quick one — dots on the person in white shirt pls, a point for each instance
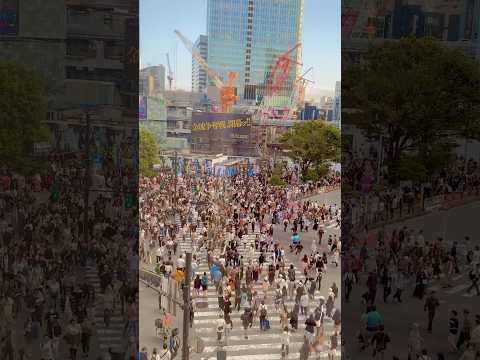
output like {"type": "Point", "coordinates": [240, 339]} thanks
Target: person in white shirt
{"type": "Point", "coordinates": [285, 342]}
{"type": "Point", "coordinates": [180, 263]}
{"type": "Point", "coordinates": [220, 326]}
{"type": "Point", "coordinates": [420, 238]}
{"type": "Point", "coordinates": [46, 348]}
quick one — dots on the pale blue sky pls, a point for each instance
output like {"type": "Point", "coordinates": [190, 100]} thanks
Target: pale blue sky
{"type": "Point", "coordinates": [159, 18]}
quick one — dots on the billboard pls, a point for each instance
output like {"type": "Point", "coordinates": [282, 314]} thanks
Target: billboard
{"type": "Point", "coordinates": [228, 133]}
{"type": "Point", "coordinates": [142, 108]}
{"type": "Point", "coordinates": [8, 17]}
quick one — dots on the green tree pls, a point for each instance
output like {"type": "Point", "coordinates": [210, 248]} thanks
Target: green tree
{"type": "Point", "coordinates": [312, 144]}
{"type": "Point", "coordinates": [23, 110]}
{"type": "Point", "coordinates": [276, 180]}
{"type": "Point", "coordinates": [316, 173]}
{"type": "Point", "coordinates": [415, 93]}
{"type": "Point", "coordinates": [148, 152]}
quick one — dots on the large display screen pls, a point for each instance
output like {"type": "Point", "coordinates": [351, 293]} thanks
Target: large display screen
{"type": "Point", "coordinates": [8, 17]}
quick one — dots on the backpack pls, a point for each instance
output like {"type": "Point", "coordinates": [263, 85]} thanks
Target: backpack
{"type": "Point", "coordinates": [472, 275]}
{"type": "Point", "coordinates": [263, 312]}
{"type": "Point", "coordinates": [173, 344]}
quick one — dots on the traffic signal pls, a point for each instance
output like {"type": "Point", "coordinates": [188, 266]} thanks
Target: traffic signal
{"type": "Point", "coordinates": [55, 195]}
{"type": "Point", "coordinates": [194, 189]}
{"type": "Point", "coordinates": [130, 201]}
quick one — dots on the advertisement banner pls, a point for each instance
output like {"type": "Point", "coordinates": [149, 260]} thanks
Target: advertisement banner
{"type": "Point", "coordinates": [197, 167]}
{"type": "Point", "coordinates": [212, 133]}
{"type": "Point", "coordinates": [219, 171]}
{"type": "Point", "coordinates": [8, 17]}
{"type": "Point", "coordinates": [180, 166]}
{"type": "Point", "coordinates": [230, 172]}
{"type": "Point", "coordinates": [208, 166]}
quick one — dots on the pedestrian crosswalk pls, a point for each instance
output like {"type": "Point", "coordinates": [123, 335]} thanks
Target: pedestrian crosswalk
{"type": "Point", "coordinates": [331, 224]}
{"type": "Point", "coordinates": [260, 345]}
{"type": "Point", "coordinates": [460, 283]}
{"type": "Point", "coordinates": [112, 336]}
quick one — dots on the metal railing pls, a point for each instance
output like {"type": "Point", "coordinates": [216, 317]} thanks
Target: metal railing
{"type": "Point", "coordinates": [166, 287]}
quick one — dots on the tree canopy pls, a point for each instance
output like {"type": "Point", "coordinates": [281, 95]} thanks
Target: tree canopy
{"type": "Point", "coordinates": [312, 144]}
{"type": "Point", "coordinates": [23, 107]}
{"type": "Point", "coordinates": [416, 94]}
{"type": "Point", "coordinates": [148, 152]}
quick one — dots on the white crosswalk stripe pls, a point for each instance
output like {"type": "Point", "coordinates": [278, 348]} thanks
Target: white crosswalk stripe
{"type": "Point", "coordinates": [108, 337]}
{"type": "Point", "coordinates": [456, 289]}
{"type": "Point", "coordinates": [260, 345]}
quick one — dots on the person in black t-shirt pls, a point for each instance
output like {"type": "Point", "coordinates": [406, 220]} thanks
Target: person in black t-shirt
{"type": "Point", "coordinates": [453, 324]}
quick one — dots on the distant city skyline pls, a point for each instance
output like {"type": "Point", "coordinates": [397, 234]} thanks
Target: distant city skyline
{"type": "Point", "coordinates": [321, 40]}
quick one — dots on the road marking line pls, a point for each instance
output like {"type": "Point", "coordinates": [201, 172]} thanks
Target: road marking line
{"type": "Point", "coordinates": [457, 288]}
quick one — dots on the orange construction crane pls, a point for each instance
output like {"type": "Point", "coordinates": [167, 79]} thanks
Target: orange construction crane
{"type": "Point", "coordinates": [227, 91]}
{"type": "Point", "coordinates": [280, 71]}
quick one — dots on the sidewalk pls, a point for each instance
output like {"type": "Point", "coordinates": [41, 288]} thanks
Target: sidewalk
{"type": "Point", "coordinates": [453, 200]}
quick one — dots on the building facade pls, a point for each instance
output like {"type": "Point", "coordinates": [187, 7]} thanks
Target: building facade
{"type": "Point", "coordinates": [337, 105]}
{"type": "Point", "coordinates": [455, 22]}
{"type": "Point", "coordinates": [36, 41]}
{"type": "Point", "coordinates": [246, 36]}
{"type": "Point", "coordinates": [199, 75]}
{"type": "Point", "coordinates": [79, 48]}
{"type": "Point", "coordinates": [152, 80]}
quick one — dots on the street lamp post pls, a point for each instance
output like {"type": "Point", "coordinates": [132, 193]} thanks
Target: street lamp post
{"type": "Point", "coordinates": [176, 180]}
{"type": "Point", "coordinates": [87, 179]}
{"type": "Point", "coordinates": [186, 305]}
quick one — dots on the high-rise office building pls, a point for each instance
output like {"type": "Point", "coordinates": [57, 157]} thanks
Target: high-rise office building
{"type": "Point", "coordinates": [154, 84]}
{"type": "Point", "coordinates": [246, 36]}
{"type": "Point", "coordinates": [199, 75]}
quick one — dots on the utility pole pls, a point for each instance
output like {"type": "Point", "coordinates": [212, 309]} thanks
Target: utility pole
{"type": "Point", "coordinates": [87, 179]}
{"type": "Point", "coordinates": [186, 305]}
{"type": "Point", "coordinates": [176, 180]}
{"type": "Point", "coordinates": [380, 159]}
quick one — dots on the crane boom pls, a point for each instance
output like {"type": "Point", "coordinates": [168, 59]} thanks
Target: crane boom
{"type": "Point", "coordinates": [168, 64]}
{"type": "Point", "coordinates": [196, 54]}
{"type": "Point", "coordinates": [170, 73]}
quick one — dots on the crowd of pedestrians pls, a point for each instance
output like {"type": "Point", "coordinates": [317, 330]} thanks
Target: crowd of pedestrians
{"type": "Point", "coordinates": [252, 277]}
{"type": "Point", "coordinates": [48, 305]}
{"type": "Point", "coordinates": [405, 264]}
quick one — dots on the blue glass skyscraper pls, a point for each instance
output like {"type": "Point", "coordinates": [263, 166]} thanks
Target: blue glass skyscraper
{"type": "Point", "coordinates": [246, 36]}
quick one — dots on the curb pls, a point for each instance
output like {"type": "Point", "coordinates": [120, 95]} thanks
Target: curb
{"type": "Point", "coordinates": [452, 205]}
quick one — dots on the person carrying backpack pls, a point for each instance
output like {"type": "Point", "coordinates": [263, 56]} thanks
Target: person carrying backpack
{"type": "Point", "coordinates": [263, 317]}
{"type": "Point", "coordinates": [204, 284]}
{"type": "Point", "coordinates": [379, 342]}
{"type": "Point", "coordinates": [174, 344]}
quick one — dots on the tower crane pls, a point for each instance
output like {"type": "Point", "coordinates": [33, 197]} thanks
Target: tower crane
{"type": "Point", "coordinates": [302, 84]}
{"type": "Point", "coordinates": [170, 73]}
{"type": "Point", "coordinates": [280, 71]}
{"type": "Point", "coordinates": [227, 91]}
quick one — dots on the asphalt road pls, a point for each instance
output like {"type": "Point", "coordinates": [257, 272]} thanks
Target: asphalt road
{"type": "Point", "coordinates": [260, 345]}
{"type": "Point", "coordinates": [452, 225]}
{"type": "Point", "coordinates": [265, 345]}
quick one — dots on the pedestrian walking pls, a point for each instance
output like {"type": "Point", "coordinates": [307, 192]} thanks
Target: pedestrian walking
{"type": "Point", "coordinates": [453, 326]}
{"type": "Point", "coordinates": [431, 305]}
{"type": "Point", "coordinates": [464, 336]}
{"type": "Point", "coordinates": [285, 342]}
